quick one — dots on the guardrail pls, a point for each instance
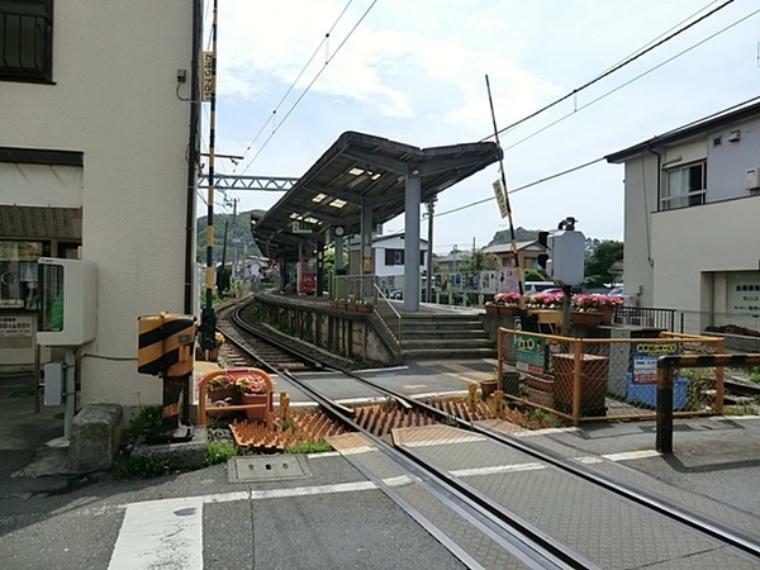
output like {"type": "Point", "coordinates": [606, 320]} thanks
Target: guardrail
{"type": "Point", "coordinates": [647, 317]}
{"type": "Point", "coordinates": [388, 313]}
{"type": "Point", "coordinates": [605, 379]}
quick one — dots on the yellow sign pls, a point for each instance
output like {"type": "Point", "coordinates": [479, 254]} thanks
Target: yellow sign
{"type": "Point", "coordinates": [209, 81]}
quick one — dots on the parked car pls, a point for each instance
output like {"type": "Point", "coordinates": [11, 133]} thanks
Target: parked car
{"type": "Point", "coordinates": [533, 287]}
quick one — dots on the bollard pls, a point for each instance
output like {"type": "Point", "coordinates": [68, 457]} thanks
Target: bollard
{"type": "Point", "coordinates": [472, 395]}
{"type": "Point", "coordinates": [284, 406]}
{"type": "Point", "coordinates": [498, 404]}
{"type": "Point", "coordinates": [664, 439]}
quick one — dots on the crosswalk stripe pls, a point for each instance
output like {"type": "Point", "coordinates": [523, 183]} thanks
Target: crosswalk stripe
{"type": "Point", "coordinates": [164, 534]}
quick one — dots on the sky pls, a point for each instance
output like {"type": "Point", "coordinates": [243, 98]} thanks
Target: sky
{"type": "Point", "coordinates": [413, 71]}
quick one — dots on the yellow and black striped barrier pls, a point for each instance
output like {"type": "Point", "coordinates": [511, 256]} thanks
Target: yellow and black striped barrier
{"type": "Point", "coordinates": [165, 345]}
{"type": "Point", "coordinates": [665, 366]}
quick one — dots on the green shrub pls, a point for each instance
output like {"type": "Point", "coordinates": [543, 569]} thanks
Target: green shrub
{"type": "Point", "coordinates": [310, 446]}
{"type": "Point", "coordinates": [219, 452]}
{"type": "Point", "coordinates": [140, 467]}
{"type": "Point", "coordinates": [755, 374]}
{"type": "Point", "coordinates": [148, 418]}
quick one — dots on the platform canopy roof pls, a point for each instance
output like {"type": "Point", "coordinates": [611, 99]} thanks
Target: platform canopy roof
{"type": "Point", "coordinates": [360, 169]}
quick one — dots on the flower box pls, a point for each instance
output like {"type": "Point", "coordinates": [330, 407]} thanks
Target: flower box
{"type": "Point", "coordinates": [547, 316]}
{"type": "Point", "coordinates": [333, 304]}
{"type": "Point", "coordinates": [364, 308]}
{"type": "Point", "coordinates": [507, 311]}
{"type": "Point", "coordinates": [488, 387]}
{"type": "Point", "coordinates": [492, 309]}
{"type": "Point", "coordinates": [261, 401]}
{"type": "Point", "coordinates": [222, 394]}
{"type": "Point", "coordinates": [587, 319]}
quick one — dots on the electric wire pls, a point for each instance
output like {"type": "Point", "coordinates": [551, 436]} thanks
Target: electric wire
{"type": "Point", "coordinates": [609, 71]}
{"type": "Point", "coordinates": [632, 80]}
{"type": "Point", "coordinates": [311, 83]}
{"type": "Point", "coordinates": [294, 82]}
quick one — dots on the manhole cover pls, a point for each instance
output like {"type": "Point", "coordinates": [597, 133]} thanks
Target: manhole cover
{"type": "Point", "coordinates": [268, 468]}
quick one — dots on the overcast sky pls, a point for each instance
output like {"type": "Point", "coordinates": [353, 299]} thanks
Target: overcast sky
{"type": "Point", "coordinates": [414, 71]}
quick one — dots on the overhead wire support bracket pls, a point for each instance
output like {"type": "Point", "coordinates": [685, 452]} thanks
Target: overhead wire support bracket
{"type": "Point", "coordinates": [242, 182]}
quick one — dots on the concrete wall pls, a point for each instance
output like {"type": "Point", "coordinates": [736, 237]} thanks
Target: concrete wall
{"type": "Point", "coordinates": [728, 162]}
{"type": "Point", "coordinates": [691, 241]}
{"type": "Point", "coordinates": [640, 201]}
{"type": "Point", "coordinates": [114, 67]}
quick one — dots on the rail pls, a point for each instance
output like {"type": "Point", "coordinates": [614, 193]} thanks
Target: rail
{"type": "Point", "coordinates": [384, 313]}
{"type": "Point", "coordinates": [647, 317]}
{"type": "Point", "coordinates": [656, 503]}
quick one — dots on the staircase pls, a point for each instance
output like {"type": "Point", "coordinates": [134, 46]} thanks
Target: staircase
{"type": "Point", "coordinates": [430, 336]}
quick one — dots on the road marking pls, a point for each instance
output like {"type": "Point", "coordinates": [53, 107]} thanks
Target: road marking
{"type": "Point", "coordinates": [473, 471]}
{"type": "Point", "coordinates": [545, 431]}
{"type": "Point", "coordinates": [391, 369]}
{"type": "Point", "coordinates": [734, 418]}
{"type": "Point", "coordinates": [445, 441]}
{"type": "Point", "coordinates": [160, 534]}
{"type": "Point", "coordinates": [630, 455]}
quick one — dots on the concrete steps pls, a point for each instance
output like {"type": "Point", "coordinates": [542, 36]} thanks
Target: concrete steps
{"type": "Point", "coordinates": [443, 336]}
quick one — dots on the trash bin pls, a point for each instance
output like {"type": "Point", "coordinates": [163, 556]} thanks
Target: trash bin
{"type": "Point", "coordinates": [594, 373]}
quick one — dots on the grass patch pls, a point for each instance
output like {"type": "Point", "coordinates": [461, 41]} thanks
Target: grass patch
{"type": "Point", "coordinates": [219, 452]}
{"type": "Point", "coordinates": [754, 375]}
{"type": "Point", "coordinates": [739, 411]}
{"type": "Point", "coordinates": [148, 418]}
{"type": "Point", "coordinates": [309, 446]}
{"type": "Point", "coordinates": [140, 467]}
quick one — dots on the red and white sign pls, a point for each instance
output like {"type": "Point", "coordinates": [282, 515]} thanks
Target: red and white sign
{"type": "Point", "coordinates": [16, 326]}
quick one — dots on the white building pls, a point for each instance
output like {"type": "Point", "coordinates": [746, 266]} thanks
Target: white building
{"type": "Point", "coordinates": [388, 259]}
{"type": "Point", "coordinates": [692, 219]}
{"type": "Point", "coordinates": [94, 151]}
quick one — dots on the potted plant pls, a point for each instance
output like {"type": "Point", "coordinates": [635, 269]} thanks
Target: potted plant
{"type": "Point", "coordinates": [595, 303]}
{"type": "Point", "coordinates": [507, 304]}
{"type": "Point", "coordinates": [253, 390]}
{"type": "Point", "coordinates": [547, 307]}
{"type": "Point", "coordinates": [221, 389]}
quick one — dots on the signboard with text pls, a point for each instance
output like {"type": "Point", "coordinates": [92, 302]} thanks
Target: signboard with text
{"type": "Point", "coordinates": [644, 360]}
{"type": "Point", "coordinates": [501, 197]}
{"type": "Point", "coordinates": [207, 83]}
{"type": "Point", "coordinates": [530, 354]}
{"type": "Point", "coordinates": [15, 326]}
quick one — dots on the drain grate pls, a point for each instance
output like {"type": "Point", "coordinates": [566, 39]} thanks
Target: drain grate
{"type": "Point", "coordinates": [268, 468]}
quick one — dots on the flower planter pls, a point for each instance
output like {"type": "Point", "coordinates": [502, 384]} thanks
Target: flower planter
{"type": "Point", "coordinates": [547, 316]}
{"type": "Point", "coordinates": [488, 387]}
{"type": "Point", "coordinates": [607, 314]}
{"type": "Point", "coordinates": [365, 308]}
{"type": "Point", "coordinates": [590, 319]}
{"type": "Point", "coordinates": [333, 304]}
{"type": "Point", "coordinates": [259, 413]}
{"type": "Point", "coordinates": [508, 311]}
{"type": "Point", "coordinates": [343, 306]}
{"type": "Point", "coordinates": [492, 309]}
{"type": "Point", "coordinates": [221, 394]}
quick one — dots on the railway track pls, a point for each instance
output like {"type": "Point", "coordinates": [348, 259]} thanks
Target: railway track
{"type": "Point", "coordinates": [521, 539]}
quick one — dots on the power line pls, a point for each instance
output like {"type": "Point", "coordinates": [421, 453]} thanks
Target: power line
{"type": "Point", "coordinates": [523, 187]}
{"type": "Point", "coordinates": [612, 69]}
{"type": "Point", "coordinates": [633, 79]}
{"type": "Point", "coordinates": [308, 87]}
{"type": "Point", "coordinates": [294, 82]}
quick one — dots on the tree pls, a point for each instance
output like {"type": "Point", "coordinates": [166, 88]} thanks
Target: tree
{"type": "Point", "coordinates": [600, 262]}
{"type": "Point", "coordinates": [531, 274]}
{"type": "Point", "coordinates": [479, 261]}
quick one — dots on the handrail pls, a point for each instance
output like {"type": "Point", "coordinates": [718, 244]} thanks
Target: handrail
{"type": "Point", "coordinates": [395, 312]}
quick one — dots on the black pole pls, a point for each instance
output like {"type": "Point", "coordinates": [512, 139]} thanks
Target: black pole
{"type": "Point", "coordinates": [192, 158]}
{"type": "Point", "coordinates": [506, 194]}
{"type": "Point", "coordinates": [664, 438]}
{"type": "Point", "coordinates": [208, 317]}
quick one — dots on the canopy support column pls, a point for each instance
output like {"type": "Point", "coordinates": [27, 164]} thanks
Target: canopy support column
{"type": "Point", "coordinates": [365, 253]}
{"type": "Point", "coordinates": [412, 196]}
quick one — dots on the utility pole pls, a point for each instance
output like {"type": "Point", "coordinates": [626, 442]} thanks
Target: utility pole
{"type": "Point", "coordinates": [429, 283]}
{"type": "Point", "coordinates": [208, 317]}
{"type": "Point", "coordinates": [234, 232]}
{"type": "Point", "coordinates": [506, 194]}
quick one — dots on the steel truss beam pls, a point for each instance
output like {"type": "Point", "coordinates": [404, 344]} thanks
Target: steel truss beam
{"type": "Point", "coordinates": [237, 182]}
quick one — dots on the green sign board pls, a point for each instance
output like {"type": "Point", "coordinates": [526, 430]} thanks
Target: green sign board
{"type": "Point", "coordinates": [530, 353]}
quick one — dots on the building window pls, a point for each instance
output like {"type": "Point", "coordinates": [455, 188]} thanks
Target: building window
{"type": "Point", "coordinates": [26, 40]}
{"type": "Point", "coordinates": [18, 274]}
{"type": "Point", "coordinates": [394, 257]}
{"type": "Point", "coordinates": [684, 186]}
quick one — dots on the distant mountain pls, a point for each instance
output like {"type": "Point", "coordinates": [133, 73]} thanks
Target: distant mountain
{"type": "Point", "coordinates": [239, 238]}
{"type": "Point", "coordinates": [521, 234]}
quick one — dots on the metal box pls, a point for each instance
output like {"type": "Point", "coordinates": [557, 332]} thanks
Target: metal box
{"type": "Point", "coordinates": [567, 256]}
{"type": "Point", "coordinates": [68, 289]}
{"type": "Point", "coordinates": [54, 381]}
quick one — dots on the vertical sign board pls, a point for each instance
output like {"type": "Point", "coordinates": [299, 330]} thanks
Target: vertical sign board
{"type": "Point", "coordinates": [530, 354]}
{"type": "Point", "coordinates": [16, 326]}
{"type": "Point", "coordinates": [207, 83]}
{"type": "Point", "coordinates": [644, 360]}
{"type": "Point", "coordinates": [509, 280]}
{"type": "Point", "coordinates": [501, 197]}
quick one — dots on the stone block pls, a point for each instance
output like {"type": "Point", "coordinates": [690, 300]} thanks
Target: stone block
{"type": "Point", "coordinates": [95, 437]}
{"type": "Point", "coordinates": [183, 455]}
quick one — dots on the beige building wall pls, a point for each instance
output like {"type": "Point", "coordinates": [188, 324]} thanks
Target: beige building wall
{"type": "Point", "coordinates": [695, 247]}
{"type": "Point", "coordinates": [640, 201]}
{"type": "Point", "coordinates": [114, 67]}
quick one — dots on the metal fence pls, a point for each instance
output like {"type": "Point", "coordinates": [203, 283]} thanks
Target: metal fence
{"type": "Point", "coordinates": [354, 288]}
{"type": "Point", "coordinates": [647, 317]}
{"type": "Point", "coordinates": [603, 379]}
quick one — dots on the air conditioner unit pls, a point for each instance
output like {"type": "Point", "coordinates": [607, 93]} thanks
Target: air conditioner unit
{"type": "Point", "coordinates": [752, 179]}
